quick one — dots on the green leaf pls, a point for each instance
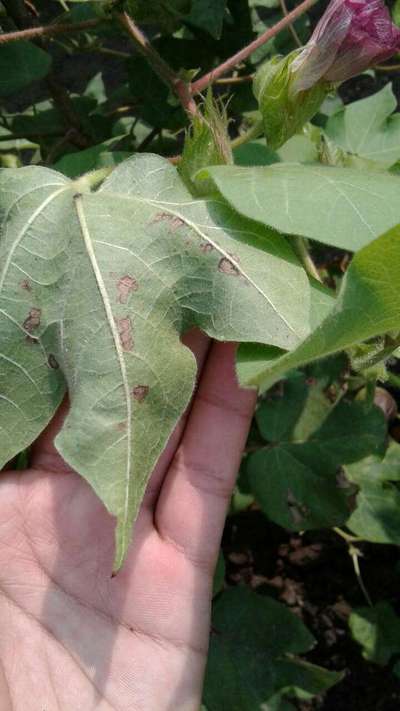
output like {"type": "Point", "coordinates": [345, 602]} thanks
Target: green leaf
{"type": "Point", "coordinates": [166, 14]}
{"type": "Point", "coordinates": [251, 659]}
{"type": "Point", "coordinates": [75, 164]}
{"type": "Point", "coordinates": [296, 483]}
{"type": "Point", "coordinates": [369, 128]}
{"type": "Point", "coordinates": [277, 416]}
{"type": "Point", "coordinates": [368, 305]}
{"type": "Point", "coordinates": [151, 97]}
{"type": "Point", "coordinates": [377, 516]}
{"type": "Point", "coordinates": [338, 206]}
{"type": "Point", "coordinates": [20, 64]}
{"type": "Point", "coordinates": [396, 12]}
{"type": "Point", "coordinates": [377, 630]}
{"type": "Point", "coordinates": [208, 15]}
{"type": "Point", "coordinates": [140, 263]}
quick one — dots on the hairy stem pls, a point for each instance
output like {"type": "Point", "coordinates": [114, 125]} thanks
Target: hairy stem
{"type": "Point", "coordinates": [244, 53]}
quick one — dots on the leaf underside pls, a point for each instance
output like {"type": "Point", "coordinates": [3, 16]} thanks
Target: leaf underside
{"type": "Point", "coordinates": [96, 290]}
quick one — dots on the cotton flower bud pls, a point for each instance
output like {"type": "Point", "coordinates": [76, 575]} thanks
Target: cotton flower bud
{"type": "Point", "coordinates": [284, 113]}
{"type": "Point", "coordinates": [351, 36]}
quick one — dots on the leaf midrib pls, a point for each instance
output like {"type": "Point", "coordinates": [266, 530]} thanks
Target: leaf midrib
{"type": "Point", "coordinates": [78, 202]}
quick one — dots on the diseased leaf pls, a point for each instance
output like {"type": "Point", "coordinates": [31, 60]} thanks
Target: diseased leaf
{"type": "Point", "coordinates": [368, 128]}
{"type": "Point", "coordinates": [34, 202]}
{"type": "Point", "coordinates": [368, 305]}
{"type": "Point", "coordinates": [338, 206]}
{"type": "Point", "coordinates": [20, 64]}
{"type": "Point", "coordinates": [136, 264]}
{"type": "Point", "coordinates": [252, 662]}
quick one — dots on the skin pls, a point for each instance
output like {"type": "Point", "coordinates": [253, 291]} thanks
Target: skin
{"type": "Point", "coordinates": [71, 637]}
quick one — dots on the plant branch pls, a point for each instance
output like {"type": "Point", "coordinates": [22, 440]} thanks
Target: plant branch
{"type": "Point", "coordinates": [180, 88]}
{"type": "Point", "coordinates": [291, 26]}
{"type": "Point", "coordinates": [244, 53]}
{"type": "Point", "coordinates": [48, 30]}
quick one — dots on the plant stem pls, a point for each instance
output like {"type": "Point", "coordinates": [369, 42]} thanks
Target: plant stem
{"type": "Point", "coordinates": [354, 555]}
{"type": "Point", "coordinates": [180, 88]}
{"type": "Point", "coordinates": [235, 80]}
{"type": "Point", "coordinates": [386, 67]}
{"type": "Point", "coordinates": [291, 27]}
{"type": "Point", "coordinates": [346, 536]}
{"type": "Point", "coordinates": [306, 260]}
{"type": "Point", "coordinates": [48, 31]}
{"type": "Point", "coordinates": [244, 53]}
{"type": "Point", "coordinates": [253, 132]}
{"type": "Point", "coordinates": [92, 179]}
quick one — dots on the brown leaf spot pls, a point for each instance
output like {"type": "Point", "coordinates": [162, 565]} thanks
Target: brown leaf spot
{"type": "Point", "coordinates": [121, 426]}
{"type": "Point", "coordinates": [226, 267]}
{"type": "Point", "coordinates": [174, 221]}
{"type": "Point", "coordinates": [125, 286]}
{"type": "Point", "coordinates": [206, 247]}
{"type": "Point", "coordinates": [26, 284]}
{"type": "Point", "coordinates": [140, 392]}
{"type": "Point", "coordinates": [53, 362]}
{"type": "Point", "coordinates": [124, 326]}
{"type": "Point", "coordinates": [33, 320]}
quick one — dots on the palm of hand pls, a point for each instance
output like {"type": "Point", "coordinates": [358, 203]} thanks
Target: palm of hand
{"type": "Point", "coordinates": [74, 638]}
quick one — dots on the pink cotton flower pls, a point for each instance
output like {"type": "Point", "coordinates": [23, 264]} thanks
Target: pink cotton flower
{"type": "Point", "coordinates": [351, 36]}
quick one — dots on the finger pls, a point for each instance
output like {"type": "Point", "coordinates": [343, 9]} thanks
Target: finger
{"type": "Point", "coordinates": [192, 505]}
{"type": "Point", "coordinates": [199, 344]}
{"type": "Point", "coordinates": [43, 454]}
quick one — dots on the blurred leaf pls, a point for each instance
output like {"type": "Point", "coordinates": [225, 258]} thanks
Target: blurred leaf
{"type": "Point", "coordinates": [208, 15]}
{"type": "Point", "coordinates": [254, 153]}
{"type": "Point", "coordinates": [20, 64]}
{"type": "Point", "coordinates": [159, 12]}
{"type": "Point", "coordinates": [251, 659]}
{"type": "Point", "coordinates": [377, 516]}
{"type": "Point", "coordinates": [277, 415]}
{"type": "Point", "coordinates": [296, 483]}
{"type": "Point", "coordinates": [369, 128]}
{"type": "Point", "coordinates": [151, 97]}
{"type": "Point", "coordinates": [75, 164]}
{"type": "Point", "coordinates": [45, 119]}
{"type": "Point", "coordinates": [377, 630]}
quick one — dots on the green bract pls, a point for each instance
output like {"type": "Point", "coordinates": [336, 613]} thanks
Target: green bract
{"type": "Point", "coordinates": [284, 112]}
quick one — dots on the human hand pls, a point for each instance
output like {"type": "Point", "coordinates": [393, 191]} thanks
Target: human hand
{"type": "Point", "coordinates": [73, 638]}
